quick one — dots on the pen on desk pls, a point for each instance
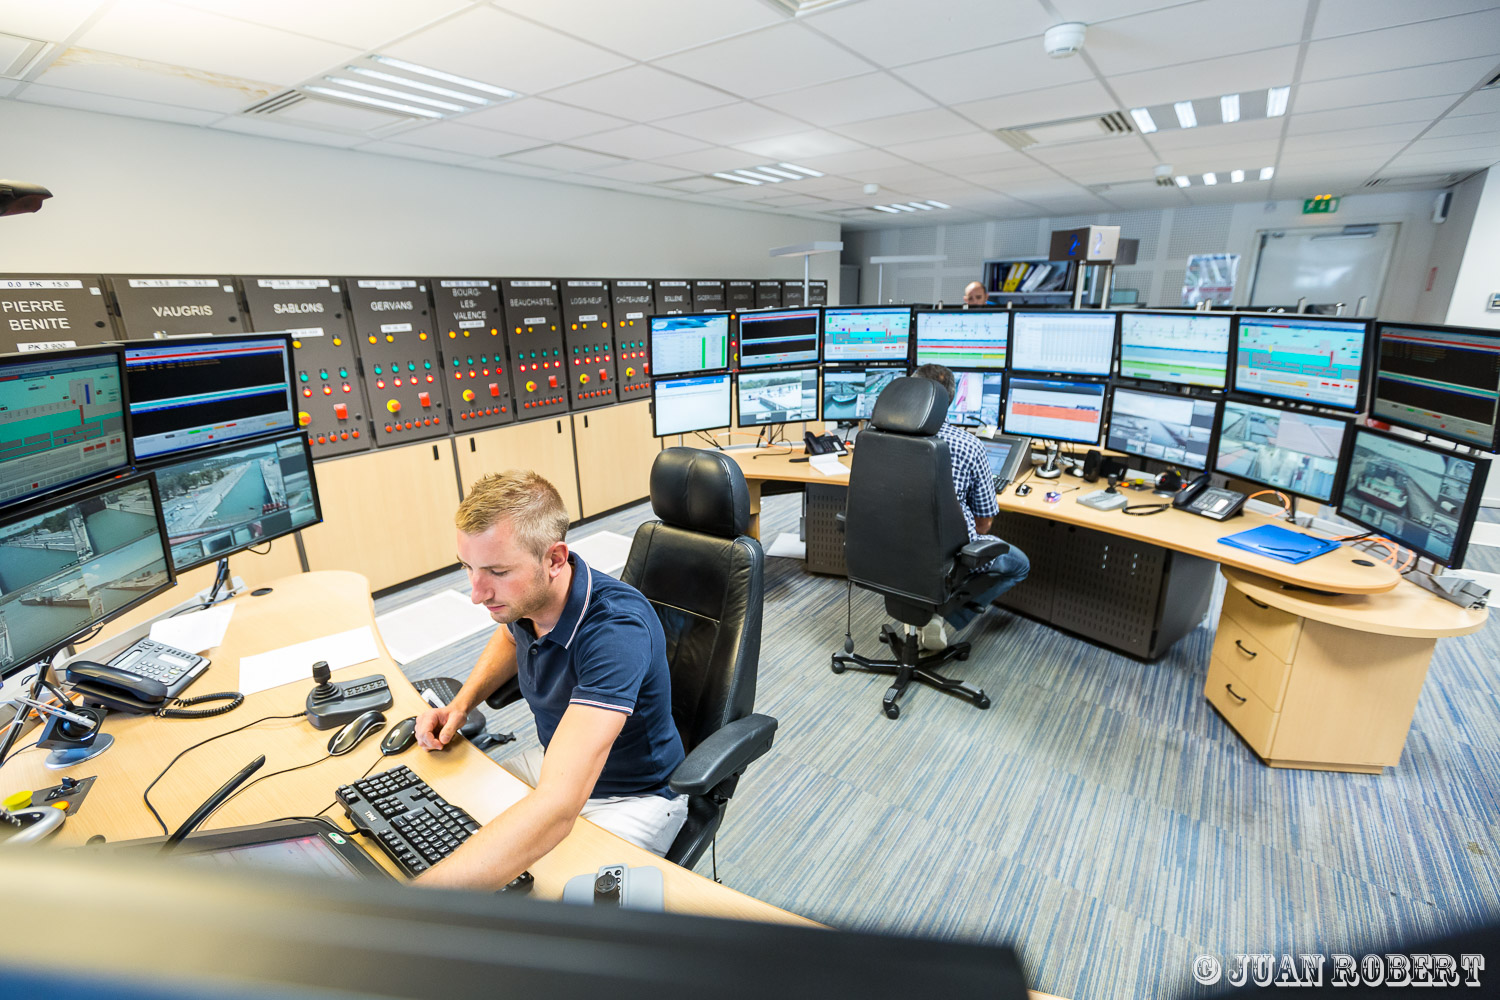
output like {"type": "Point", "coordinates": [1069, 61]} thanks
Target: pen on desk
{"type": "Point", "coordinates": [64, 714]}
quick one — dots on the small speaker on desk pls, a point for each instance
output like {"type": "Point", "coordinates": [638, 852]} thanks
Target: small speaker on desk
{"type": "Point", "coordinates": [1091, 463]}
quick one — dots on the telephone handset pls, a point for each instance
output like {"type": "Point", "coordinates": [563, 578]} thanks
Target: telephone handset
{"type": "Point", "coordinates": [823, 444]}
{"type": "Point", "coordinates": [116, 688]}
{"type": "Point", "coordinates": [1198, 497]}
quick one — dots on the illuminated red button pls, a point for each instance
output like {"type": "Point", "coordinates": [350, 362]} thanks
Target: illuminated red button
{"type": "Point", "coordinates": [531, 387]}
{"type": "Point", "coordinates": [604, 375]}
{"type": "Point", "coordinates": [552, 381]}
{"type": "Point", "coordinates": [494, 388]}
{"type": "Point", "coordinates": [322, 439]}
{"type": "Point", "coordinates": [304, 418]}
{"type": "Point", "coordinates": [393, 405]}
{"type": "Point", "coordinates": [468, 395]}
{"type": "Point", "coordinates": [341, 410]}
{"type": "Point", "coordinates": [425, 398]}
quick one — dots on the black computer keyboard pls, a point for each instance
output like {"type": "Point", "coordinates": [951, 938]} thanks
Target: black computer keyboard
{"type": "Point", "coordinates": [410, 821]}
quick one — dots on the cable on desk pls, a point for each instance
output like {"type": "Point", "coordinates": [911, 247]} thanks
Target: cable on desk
{"type": "Point", "coordinates": [1143, 509]}
{"type": "Point", "coordinates": [146, 795]}
{"type": "Point", "coordinates": [1286, 504]}
{"type": "Point", "coordinates": [263, 777]}
{"type": "Point", "coordinates": [335, 802]}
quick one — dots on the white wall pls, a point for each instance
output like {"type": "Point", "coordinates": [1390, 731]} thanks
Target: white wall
{"type": "Point", "coordinates": [1479, 274]}
{"type": "Point", "coordinates": [142, 196]}
{"type": "Point", "coordinates": [1447, 255]}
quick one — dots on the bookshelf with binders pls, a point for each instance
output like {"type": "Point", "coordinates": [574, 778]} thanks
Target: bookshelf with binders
{"type": "Point", "coordinates": [1029, 281]}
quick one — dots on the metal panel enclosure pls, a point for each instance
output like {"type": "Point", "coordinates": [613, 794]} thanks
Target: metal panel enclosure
{"type": "Point", "coordinates": [533, 327]}
{"type": "Point", "coordinates": [468, 320]}
{"type": "Point", "coordinates": [393, 327]}
{"type": "Point", "coordinates": [767, 294]}
{"type": "Point", "coordinates": [40, 312]}
{"type": "Point", "coordinates": [739, 295]}
{"type": "Point", "coordinates": [674, 297]}
{"type": "Point", "coordinates": [153, 305]}
{"type": "Point", "coordinates": [708, 296]}
{"type": "Point", "coordinates": [589, 336]}
{"type": "Point", "coordinates": [632, 301]}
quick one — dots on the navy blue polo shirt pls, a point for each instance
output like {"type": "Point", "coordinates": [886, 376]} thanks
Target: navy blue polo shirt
{"type": "Point", "coordinates": [607, 651]}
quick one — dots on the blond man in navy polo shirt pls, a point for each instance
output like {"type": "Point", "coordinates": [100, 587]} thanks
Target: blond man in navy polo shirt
{"type": "Point", "coordinates": [590, 657]}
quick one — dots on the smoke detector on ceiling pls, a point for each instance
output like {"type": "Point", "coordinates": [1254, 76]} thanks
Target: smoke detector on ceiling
{"type": "Point", "coordinates": [1062, 40]}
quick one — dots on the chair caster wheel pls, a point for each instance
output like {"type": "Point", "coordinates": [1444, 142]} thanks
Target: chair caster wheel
{"type": "Point", "coordinates": [983, 701]}
{"type": "Point", "coordinates": [961, 656]}
{"type": "Point", "coordinates": [893, 710]}
{"type": "Point", "coordinates": [837, 667]}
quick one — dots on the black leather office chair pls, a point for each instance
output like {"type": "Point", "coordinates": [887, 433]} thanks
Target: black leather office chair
{"type": "Point", "coordinates": [905, 537]}
{"type": "Point", "coordinates": [705, 577]}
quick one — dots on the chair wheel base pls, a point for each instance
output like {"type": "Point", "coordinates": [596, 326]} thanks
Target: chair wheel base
{"type": "Point", "coordinates": [923, 671]}
{"type": "Point", "coordinates": [838, 667]}
{"type": "Point", "coordinates": [892, 710]}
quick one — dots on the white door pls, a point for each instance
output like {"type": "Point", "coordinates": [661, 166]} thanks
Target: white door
{"type": "Point", "coordinates": [1324, 265]}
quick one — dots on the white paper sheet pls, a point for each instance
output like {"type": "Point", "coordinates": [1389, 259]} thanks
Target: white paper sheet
{"type": "Point", "coordinates": [195, 632]}
{"type": "Point", "coordinates": [430, 624]}
{"type": "Point", "coordinates": [829, 465]}
{"type": "Point", "coordinates": [788, 545]}
{"type": "Point", "coordinates": [264, 671]}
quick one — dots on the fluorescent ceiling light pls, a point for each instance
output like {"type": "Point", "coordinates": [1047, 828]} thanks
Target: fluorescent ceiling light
{"type": "Point", "coordinates": [937, 204]}
{"type": "Point", "coordinates": [1143, 121]}
{"type": "Point", "coordinates": [1266, 173]}
{"type": "Point", "coordinates": [884, 208]}
{"type": "Point", "coordinates": [759, 176]}
{"type": "Point", "coordinates": [388, 92]}
{"type": "Point", "coordinates": [778, 172]}
{"type": "Point", "coordinates": [809, 171]}
{"type": "Point", "coordinates": [438, 74]}
{"type": "Point", "coordinates": [732, 177]}
{"type": "Point", "coordinates": [1235, 176]}
{"type": "Point", "coordinates": [344, 95]}
{"type": "Point", "coordinates": [1210, 178]}
{"type": "Point", "coordinates": [921, 205]}
{"type": "Point", "coordinates": [1182, 182]}
{"type": "Point", "coordinates": [1185, 116]}
{"type": "Point", "coordinates": [902, 208]}
{"type": "Point", "coordinates": [1276, 99]}
{"type": "Point", "coordinates": [1229, 108]}
{"type": "Point", "coordinates": [418, 84]}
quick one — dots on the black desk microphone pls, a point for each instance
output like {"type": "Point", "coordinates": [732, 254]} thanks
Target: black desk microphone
{"type": "Point", "coordinates": [213, 802]}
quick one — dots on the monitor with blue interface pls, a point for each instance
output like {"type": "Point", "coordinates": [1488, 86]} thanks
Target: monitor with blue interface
{"type": "Point", "coordinates": [1283, 449]}
{"type": "Point", "coordinates": [849, 394]}
{"type": "Point", "coordinates": [866, 333]}
{"type": "Point", "coordinates": [1180, 348]}
{"type": "Point", "coordinates": [976, 399]}
{"type": "Point", "coordinates": [1054, 409]}
{"type": "Point", "coordinates": [1306, 358]}
{"type": "Point", "coordinates": [1419, 496]}
{"type": "Point", "coordinates": [1063, 343]}
{"type": "Point", "coordinates": [1444, 380]}
{"type": "Point", "coordinates": [689, 342]}
{"type": "Point", "coordinates": [963, 338]}
{"type": "Point", "coordinates": [1177, 430]}
{"type": "Point", "coordinates": [690, 403]}
{"type": "Point", "coordinates": [75, 562]}
{"type": "Point", "coordinates": [779, 337]}
{"type": "Point", "coordinates": [62, 420]}
{"type": "Point", "coordinates": [778, 397]}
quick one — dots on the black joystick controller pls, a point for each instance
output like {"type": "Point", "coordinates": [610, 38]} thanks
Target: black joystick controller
{"type": "Point", "coordinates": [326, 689]}
{"type": "Point", "coordinates": [1113, 479]}
{"type": "Point", "coordinates": [332, 705]}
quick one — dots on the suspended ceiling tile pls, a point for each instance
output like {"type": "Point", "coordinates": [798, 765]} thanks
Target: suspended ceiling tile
{"type": "Point", "coordinates": [732, 124]}
{"type": "Point", "coordinates": [50, 21]}
{"type": "Point", "coordinates": [1346, 17]}
{"type": "Point", "coordinates": [642, 93]}
{"type": "Point", "coordinates": [316, 113]}
{"type": "Point", "coordinates": [37, 93]}
{"type": "Point", "coordinates": [710, 160]}
{"type": "Point", "coordinates": [696, 185]}
{"type": "Point", "coordinates": [1435, 144]}
{"type": "Point", "coordinates": [911, 127]}
{"type": "Point", "coordinates": [1232, 74]}
{"type": "Point", "coordinates": [562, 158]}
{"type": "Point", "coordinates": [1246, 156]}
{"type": "Point", "coordinates": [1211, 136]}
{"type": "Point", "coordinates": [640, 173]}
{"type": "Point", "coordinates": [364, 24]}
{"type": "Point", "coordinates": [140, 79]}
{"type": "Point", "coordinates": [992, 72]}
{"type": "Point", "coordinates": [1483, 102]}
{"type": "Point", "coordinates": [8, 87]}
{"type": "Point", "coordinates": [1093, 11]}
{"type": "Point", "coordinates": [855, 99]}
{"type": "Point", "coordinates": [639, 142]}
{"type": "Point", "coordinates": [1466, 125]}
{"type": "Point", "coordinates": [386, 147]}
{"type": "Point", "coordinates": [542, 119]}
{"type": "Point", "coordinates": [801, 145]}
{"type": "Point", "coordinates": [502, 166]}
{"type": "Point", "coordinates": [954, 147]}
{"type": "Point", "coordinates": [1207, 29]}
{"type": "Point", "coordinates": [502, 49]}
{"type": "Point", "coordinates": [850, 164]}
{"type": "Point", "coordinates": [290, 133]}
{"type": "Point", "coordinates": [1007, 159]}
{"type": "Point", "coordinates": [771, 61]}
{"type": "Point", "coordinates": [456, 137]}
{"type": "Point", "coordinates": [1353, 137]}
{"type": "Point", "coordinates": [646, 29]}
{"type": "Point", "coordinates": [1072, 100]}
{"type": "Point", "coordinates": [1392, 85]}
{"type": "Point", "coordinates": [179, 36]}
{"type": "Point", "coordinates": [1423, 109]}
{"type": "Point", "coordinates": [1105, 147]}
{"type": "Point", "coordinates": [906, 177]}
{"type": "Point", "coordinates": [896, 32]}
{"type": "Point", "coordinates": [1452, 38]}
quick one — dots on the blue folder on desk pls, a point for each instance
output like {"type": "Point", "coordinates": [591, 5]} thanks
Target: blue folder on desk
{"type": "Point", "coordinates": [1275, 542]}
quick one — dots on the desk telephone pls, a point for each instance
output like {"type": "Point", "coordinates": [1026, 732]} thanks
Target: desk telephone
{"type": "Point", "coordinates": [141, 679]}
{"type": "Point", "coordinates": [1198, 497]}
{"type": "Point", "coordinates": [823, 444]}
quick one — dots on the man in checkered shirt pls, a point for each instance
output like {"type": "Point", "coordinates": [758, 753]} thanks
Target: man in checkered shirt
{"type": "Point", "coordinates": [974, 484]}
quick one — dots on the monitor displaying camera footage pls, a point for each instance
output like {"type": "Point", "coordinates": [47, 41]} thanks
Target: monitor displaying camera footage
{"type": "Point", "coordinates": [1285, 450]}
{"type": "Point", "coordinates": [777, 397]}
{"type": "Point", "coordinates": [849, 394]}
{"type": "Point", "coordinates": [1177, 430]}
{"type": "Point", "coordinates": [976, 399]}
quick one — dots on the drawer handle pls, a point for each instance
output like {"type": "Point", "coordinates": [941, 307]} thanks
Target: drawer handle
{"type": "Point", "coordinates": [1248, 652]}
{"type": "Point", "coordinates": [1256, 603]}
{"type": "Point", "coordinates": [1233, 695]}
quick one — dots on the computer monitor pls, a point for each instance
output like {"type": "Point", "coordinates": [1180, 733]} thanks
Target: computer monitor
{"type": "Point", "coordinates": [1419, 496]}
{"type": "Point", "coordinates": [1179, 348]}
{"type": "Point", "coordinates": [976, 399]}
{"type": "Point", "coordinates": [196, 392]}
{"type": "Point", "coordinates": [866, 333]}
{"type": "Point", "coordinates": [690, 403]}
{"type": "Point", "coordinates": [963, 338]}
{"type": "Point", "coordinates": [779, 337]}
{"type": "Point", "coordinates": [221, 502]}
{"type": "Point", "coordinates": [1287, 450]}
{"type": "Point", "coordinates": [1063, 343]}
{"type": "Point", "coordinates": [77, 561]}
{"type": "Point", "coordinates": [777, 397]}
{"type": "Point", "coordinates": [689, 343]}
{"type": "Point", "coordinates": [849, 394]}
{"type": "Point", "coordinates": [1444, 380]}
{"type": "Point", "coordinates": [62, 420]}
{"type": "Point", "coordinates": [1306, 358]}
{"type": "Point", "coordinates": [1177, 430]}
{"type": "Point", "coordinates": [1055, 409]}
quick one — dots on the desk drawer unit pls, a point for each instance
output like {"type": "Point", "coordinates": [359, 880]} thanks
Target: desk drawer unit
{"type": "Point", "coordinates": [1276, 630]}
{"type": "Point", "coordinates": [1256, 664]}
{"type": "Point", "coordinates": [1241, 706]}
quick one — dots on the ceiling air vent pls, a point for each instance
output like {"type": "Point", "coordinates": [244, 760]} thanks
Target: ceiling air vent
{"type": "Point", "coordinates": [1419, 181]}
{"type": "Point", "coordinates": [279, 102]}
{"type": "Point", "coordinates": [1066, 130]}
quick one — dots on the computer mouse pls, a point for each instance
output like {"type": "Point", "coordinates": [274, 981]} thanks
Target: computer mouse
{"type": "Point", "coordinates": [1022, 490]}
{"type": "Point", "coordinates": [402, 735]}
{"type": "Point", "coordinates": [355, 731]}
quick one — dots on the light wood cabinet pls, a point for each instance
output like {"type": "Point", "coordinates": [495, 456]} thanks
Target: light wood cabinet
{"type": "Point", "coordinates": [615, 450]}
{"type": "Point", "coordinates": [544, 446]}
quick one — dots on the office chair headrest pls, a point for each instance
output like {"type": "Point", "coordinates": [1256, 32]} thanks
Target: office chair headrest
{"type": "Point", "coordinates": [911, 406]}
{"type": "Point", "coordinates": [700, 491]}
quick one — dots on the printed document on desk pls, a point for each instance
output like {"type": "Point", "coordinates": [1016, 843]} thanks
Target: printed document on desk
{"type": "Point", "coordinates": [264, 671]}
{"type": "Point", "coordinates": [194, 632]}
{"type": "Point", "coordinates": [829, 465]}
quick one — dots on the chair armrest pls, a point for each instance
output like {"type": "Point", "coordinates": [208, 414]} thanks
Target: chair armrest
{"type": "Point", "coordinates": [506, 694]}
{"type": "Point", "coordinates": [723, 755]}
{"type": "Point", "coordinates": [979, 553]}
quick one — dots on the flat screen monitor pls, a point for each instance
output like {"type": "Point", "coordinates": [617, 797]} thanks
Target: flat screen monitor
{"type": "Point", "coordinates": [1006, 454]}
{"type": "Point", "coordinates": [690, 403]}
{"type": "Point", "coordinates": [1444, 380]}
{"type": "Point", "coordinates": [1179, 348]}
{"type": "Point", "coordinates": [689, 343]}
{"type": "Point", "coordinates": [963, 338]}
{"type": "Point", "coordinates": [224, 501]}
{"type": "Point", "coordinates": [866, 333]}
{"type": "Point", "coordinates": [1063, 343]}
{"type": "Point", "coordinates": [1283, 449]}
{"type": "Point", "coordinates": [777, 397]}
{"type": "Point", "coordinates": [779, 337]}
{"type": "Point", "coordinates": [1306, 358]}
{"type": "Point", "coordinates": [199, 392]}
{"type": "Point", "coordinates": [1423, 497]}
{"type": "Point", "coordinates": [1177, 430]}
{"type": "Point", "coordinates": [976, 399]}
{"type": "Point", "coordinates": [75, 562]}
{"type": "Point", "coordinates": [62, 420]}
{"type": "Point", "coordinates": [849, 394]}
{"type": "Point", "coordinates": [1054, 409]}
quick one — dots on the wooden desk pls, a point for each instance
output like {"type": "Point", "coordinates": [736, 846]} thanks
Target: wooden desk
{"type": "Point", "coordinates": [303, 607]}
{"type": "Point", "coordinates": [762, 465]}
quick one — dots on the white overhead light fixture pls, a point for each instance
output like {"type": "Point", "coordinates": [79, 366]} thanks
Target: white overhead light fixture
{"type": "Point", "coordinates": [1210, 178]}
{"type": "Point", "coordinates": [1235, 176]}
{"type": "Point", "coordinates": [902, 208]}
{"type": "Point", "coordinates": [1229, 108]}
{"type": "Point", "coordinates": [438, 74]}
{"type": "Point", "coordinates": [732, 177]}
{"type": "Point", "coordinates": [1182, 182]}
{"type": "Point", "coordinates": [376, 74]}
{"type": "Point", "coordinates": [885, 208]}
{"type": "Point", "coordinates": [344, 95]}
{"type": "Point", "coordinates": [759, 176]}
{"type": "Point", "coordinates": [778, 172]}
{"type": "Point", "coordinates": [388, 92]}
{"type": "Point", "coordinates": [921, 205]}
{"type": "Point", "coordinates": [1266, 173]}
{"type": "Point", "coordinates": [1185, 115]}
{"type": "Point", "coordinates": [937, 204]}
{"type": "Point", "coordinates": [1276, 101]}
{"type": "Point", "coordinates": [809, 171]}
{"type": "Point", "coordinates": [1144, 123]}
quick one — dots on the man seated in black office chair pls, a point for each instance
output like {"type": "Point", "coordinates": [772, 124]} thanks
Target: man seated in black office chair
{"type": "Point", "coordinates": [975, 486]}
{"type": "Point", "coordinates": [590, 656]}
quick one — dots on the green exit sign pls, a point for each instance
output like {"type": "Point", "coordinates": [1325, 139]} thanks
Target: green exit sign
{"type": "Point", "coordinates": [1323, 204]}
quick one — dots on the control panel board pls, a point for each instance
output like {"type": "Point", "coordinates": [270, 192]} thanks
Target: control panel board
{"type": "Point", "coordinates": [533, 326]}
{"type": "Point", "coordinates": [708, 296]}
{"type": "Point", "coordinates": [817, 292]}
{"type": "Point", "coordinates": [589, 336]}
{"type": "Point", "coordinates": [632, 302]}
{"type": "Point", "coordinates": [151, 306]}
{"type": "Point", "coordinates": [46, 312]}
{"type": "Point", "coordinates": [674, 297]}
{"type": "Point", "coordinates": [331, 405]}
{"type": "Point", "coordinates": [393, 330]}
{"type": "Point", "coordinates": [470, 332]}
{"type": "Point", "coordinates": [791, 295]}
{"type": "Point", "coordinates": [768, 295]}
{"type": "Point", "coordinates": [739, 295]}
